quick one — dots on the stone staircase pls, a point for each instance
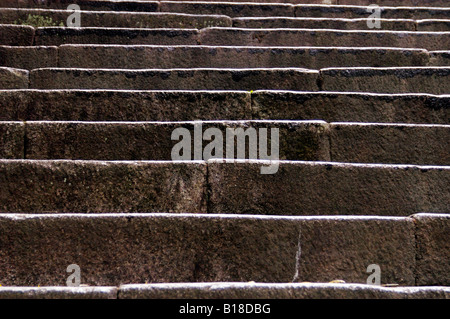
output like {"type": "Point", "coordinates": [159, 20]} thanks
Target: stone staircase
{"type": "Point", "coordinates": [87, 117]}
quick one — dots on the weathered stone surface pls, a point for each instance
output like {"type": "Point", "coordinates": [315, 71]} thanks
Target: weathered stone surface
{"type": "Point", "coordinates": [324, 37]}
{"type": "Point", "coordinates": [432, 260]}
{"type": "Point", "coordinates": [353, 107]}
{"type": "Point", "coordinates": [145, 6]}
{"type": "Point", "coordinates": [222, 290]}
{"type": "Point", "coordinates": [317, 188]}
{"type": "Point", "coordinates": [434, 80]}
{"type": "Point", "coordinates": [440, 58]}
{"type": "Point", "coordinates": [152, 140]}
{"type": "Point", "coordinates": [58, 292]}
{"type": "Point", "coordinates": [58, 36]}
{"type": "Point", "coordinates": [97, 105]}
{"type": "Point", "coordinates": [175, 79]}
{"type": "Point", "coordinates": [11, 78]}
{"type": "Point", "coordinates": [16, 34]}
{"type": "Point", "coordinates": [114, 249]}
{"type": "Point", "coordinates": [12, 139]}
{"type": "Point", "coordinates": [390, 143]}
{"type": "Point", "coordinates": [28, 57]}
{"type": "Point", "coordinates": [433, 25]}
{"type": "Point", "coordinates": [352, 12]}
{"type": "Point", "coordinates": [398, 3]}
{"type": "Point", "coordinates": [140, 57]}
{"type": "Point", "coordinates": [229, 9]}
{"type": "Point", "coordinates": [342, 248]}
{"type": "Point", "coordinates": [330, 23]}
{"type": "Point", "coordinates": [120, 19]}
{"type": "Point", "coordinates": [90, 186]}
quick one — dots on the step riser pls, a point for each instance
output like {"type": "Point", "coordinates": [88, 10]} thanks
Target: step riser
{"type": "Point", "coordinates": [28, 57]}
{"type": "Point", "coordinates": [185, 106]}
{"type": "Point", "coordinates": [175, 80]}
{"type": "Point", "coordinates": [147, 6]}
{"type": "Point", "coordinates": [301, 188]}
{"type": "Point", "coordinates": [432, 256]}
{"type": "Point", "coordinates": [318, 37]}
{"type": "Point", "coordinates": [170, 20]}
{"type": "Point", "coordinates": [342, 107]}
{"type": "Point", "coordinates": [102, 187]}
{"type": "Point", "coordinates": [425, 145]}
{"type": "Point", "coordinates": [235, 57]}
{"type": "Point", "coordinates": [328, 189]}
{"type": "Point", "coordinates": [153, 141]}
{"type": "Point", "coordinates": [258, 9]}
{"type": "Point", "coordinates": [58, 36]}
{"type": "Point", "coordinates": [16, 35]}
{"type": "Point", "coordinates": [340, 24]}
{"type": "Point", "coordinates": [23, 35]}
{"type": "Point", "coordinates": [157, 57]}
{"type": "Point", "coordinates": [199, 249]}
{"type": "Point", "coordinates": [13, 78]}
{"type": "Point", "coordinates": [126, 106]}
{"type": "Point", "coordinates": [211, 248]}
{"type": "Point", "coordinates": [119, 20]}
{"type": "Point", "coordinates": [432, 80]}
{"type": "Point", "coordinates": [283, 10]}
{"type": "Point", "coordinates": [394, 80]}
{"type": "Point", "coordinates": [440, 58]}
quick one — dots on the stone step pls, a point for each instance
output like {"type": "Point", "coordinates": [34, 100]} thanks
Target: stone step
{"type": "Point", "coordinates": [11, 78]}
{"type": "Point", "coordinates": [435, 80]}
{"type": "Point", "coordinates": [115, 249]}
{"type": "Point", "coordinates": [122, 105]}
{"type": "Point", "coordinates": [322, 37]}
{"type": "Point", "coordinates": [295, 188]}
{"type": "Point", "coordinates": [303, 10]}
{"type": "Point", "coordinates": [152, 140]}
{"type": "Point", "coordinates": [437, 3]}
{"type": "Point", "coordinates": [354, 11]}
{"type": "Point", "coordinates": [340, 23]}
{"type": "Point", "coordinates": [113, 5]}
{"type": "Point", "coordinates": [175, 79]}
{"type": "Point", "coordinates": [432, 80]}
{"type": "Point", "coordinates": [162, 57]}
{"type": "Point", "coordinates": [440, 58]}
{"type": "Point", "coordinates": [390, 143]}
{"type": "Point", "coordinates": [434, 25]}
{"type": "Point", "coordinates": [106, 19]}
{"type": "Point", "coordinates": [326, 188]}
{"type": "Point", "coordinates": [228, 290]}
{"type": "Point", "coordinates": [432, 248]}
{"type": "Point", "coordinates": [393, 9]}
{"type": "Point", "coordinates": [94, 186]}
{"type": "Point", "coordinates": [354, 107]}
{"type": "Point", "coordinates": [199, 56]}
{"type": "Point", "coordinates": [114, 19]}
{"type": "Point", "coordinates": [58, 36]}
{"type": "Point", "coordinates": [219, 36]}
{"type": "Point", "coordinates": [16, 34]}
{"type": "Point", "coordinates": [31, 57]}
{"type": "Point", "coordinates": [298, 140]}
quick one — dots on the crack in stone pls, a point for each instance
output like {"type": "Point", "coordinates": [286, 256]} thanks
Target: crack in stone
{"type": "Point", "coordinates": [297, 257]}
